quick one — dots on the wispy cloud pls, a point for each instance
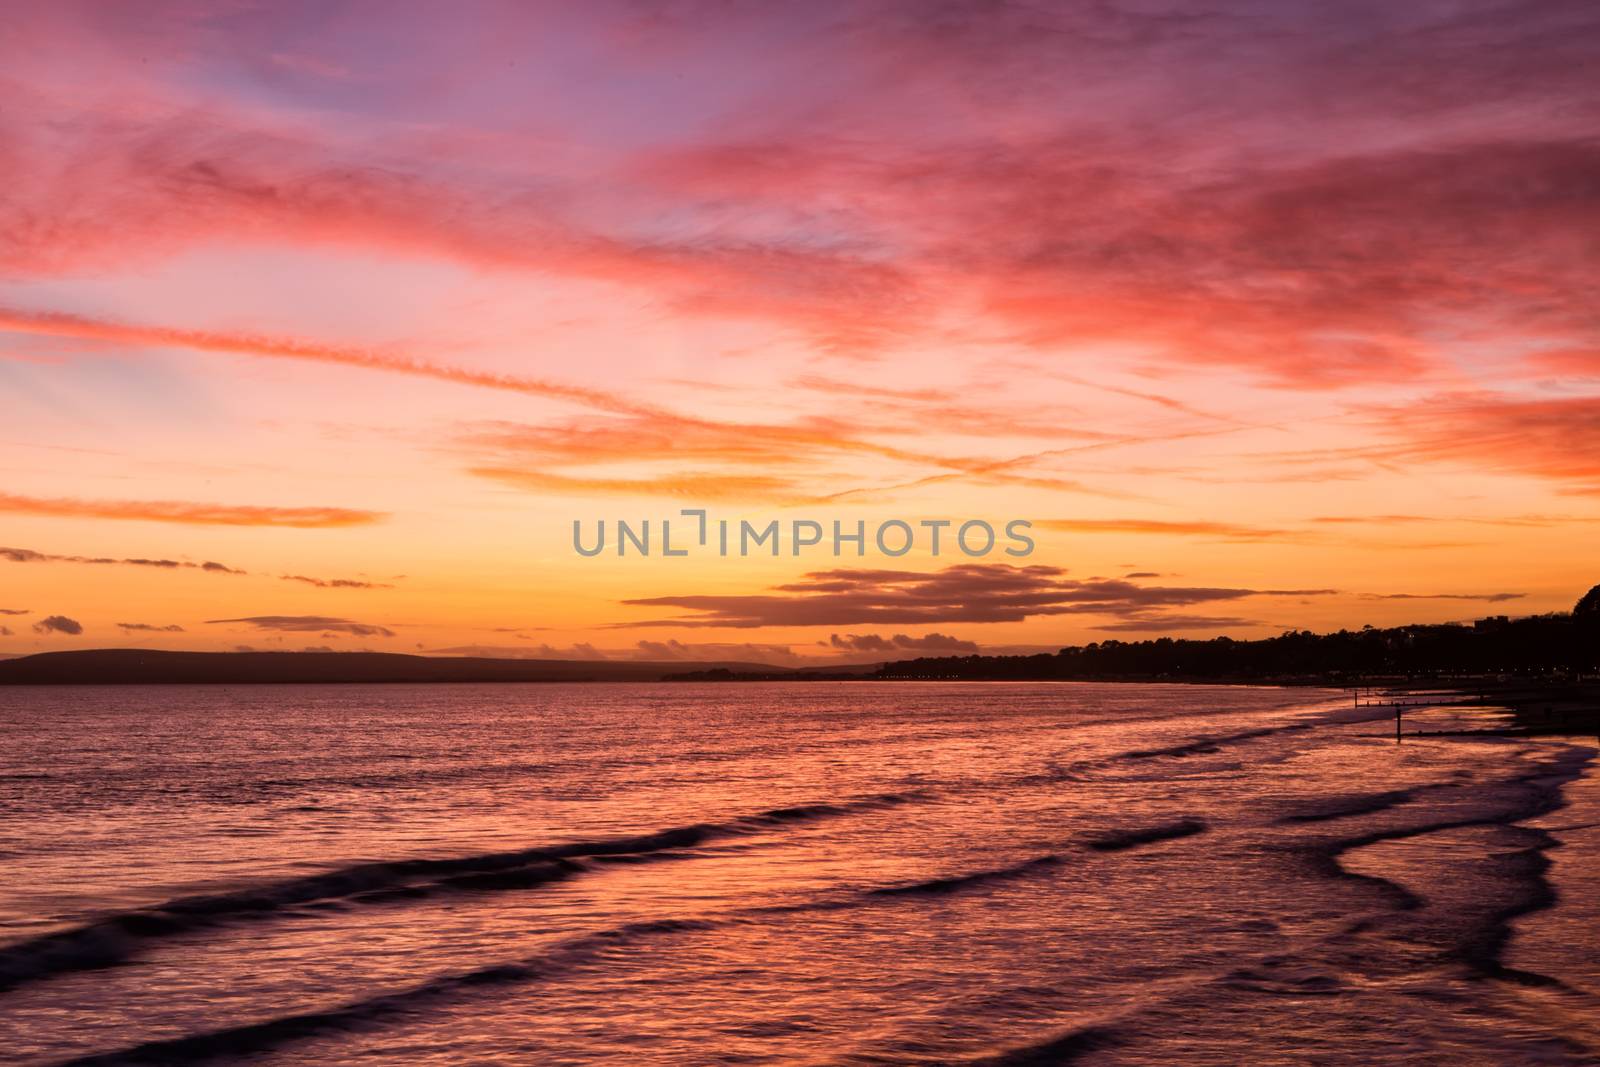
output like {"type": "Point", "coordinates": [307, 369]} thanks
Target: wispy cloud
{"type": "Point", "coordinates": [1556, 438]}
{"type": "Point", "coordinates": [336, 583]}
{"type": "Point", "coordinates": [1247, 533]}
{"type": "Point", "coordinates": [28, 555]}
{"type": "Point", "coordinates": [1203, 528]}
{"type": "Point", "coordinates": [522, 456]}
{"type": "Point", "coordinates": [1532, 522]}
{"type": "Point", "coordinates": [189, 513]}
{"type": "Point", "coordinates": [58, 624]}
{"type": "Point", "coordinates": [308, 624]}
{"type": "Point", "coordinates": [1176, 622]}
{"type": "Point", "coordinates": [1491, 598]}
{"type": "Point", "coordinates": [684, 485]}
{"type": "Point", "coordinates": [59, 324]}
{"type": "Point", "coordinates": [144, 627]}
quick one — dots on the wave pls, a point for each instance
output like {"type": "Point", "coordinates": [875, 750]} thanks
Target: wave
{"type": "Point", "coordinates": [255, 1038]}
{"type": "Point", "coordinates": [1344, 807]}
{"type": "Point", "coordinates": [120, 937]}
{"type": "Point", "coordinates": [252, 1038]}
{"type": "Point", "coordinates": [1118, 840]}
{"type": "Point", "coordinates": [116, 938]}
{"type": "Point", "coordinates": [956, 882]}
{"type": "Point", "coordinates": [1058, 1050]}
{"type": "Point", "coordinates": [1209, 745]}
{"type": "Point", "coordinates": [1084, 769]}
{"type": "Point", "coordinates": [1473, 940]}
{"type": "Point", "coordinates": [1109, 841]}
{"type": "Point", "coordinates": [1477, 938]}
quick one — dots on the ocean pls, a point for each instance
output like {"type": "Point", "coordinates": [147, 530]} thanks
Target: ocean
{"type": "Point", "coordinates": [797, 873]}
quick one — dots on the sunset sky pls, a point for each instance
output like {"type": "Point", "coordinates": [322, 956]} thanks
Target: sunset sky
{"type": "Point", "coordinates": [320, 324]}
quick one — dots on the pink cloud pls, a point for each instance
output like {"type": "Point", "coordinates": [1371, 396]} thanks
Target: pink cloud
{"type": "Point", "coordinates": [956, 169]}
{"type": "Point", "coordinates": [1556, 438]}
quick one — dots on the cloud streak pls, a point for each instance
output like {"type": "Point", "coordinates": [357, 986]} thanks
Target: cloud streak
{"type": "Point", "coordinates": [1222, 531]}
{"type": "Point", "coordinates": [28, 555]}
{"type": "Point", "coordinates": [77, 327]}
{"type": "Point", "coordinates": [189, 513]}
{"type": "Point", "coordinates": [521, 455]}
{"type": "Point", "coordinates": [1490, 598]}
{"type": "Point", "coordinates": [1177, 622]}
{"type": "Point", "coordinates": [307, 624]}
{"type": "Point", "coordinates": [335, 583]}
{"type": "Point", "coordinates": [1553, 438]}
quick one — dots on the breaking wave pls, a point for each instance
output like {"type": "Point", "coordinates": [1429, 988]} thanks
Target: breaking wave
{"type": "Point", "coordinates": [116, 938]}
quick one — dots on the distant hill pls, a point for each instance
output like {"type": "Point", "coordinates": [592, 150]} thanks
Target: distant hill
{"type": "Point", "coordinates": [1589, 606]}
{"type": "Point", "coordinates": [124, 666]}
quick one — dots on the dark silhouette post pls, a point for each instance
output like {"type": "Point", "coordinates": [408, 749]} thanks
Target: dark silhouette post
{"type": "Point", "coordinates": [1397, 722]}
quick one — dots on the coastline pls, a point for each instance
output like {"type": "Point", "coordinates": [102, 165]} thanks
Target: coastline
{"type": "Point", "coordinates": [1541, 704]}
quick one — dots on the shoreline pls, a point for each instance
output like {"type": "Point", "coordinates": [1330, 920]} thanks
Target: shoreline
{"type": "Point", "coordinates": [1558, 697]}
{"type": "Point", "coordinates": [1534, 710]}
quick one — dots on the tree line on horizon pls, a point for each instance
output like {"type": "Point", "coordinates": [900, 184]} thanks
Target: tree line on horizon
{"type": "Point", "coordinates": [1559, 643]}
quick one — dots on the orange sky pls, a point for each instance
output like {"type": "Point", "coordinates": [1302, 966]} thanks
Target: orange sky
{"type": "Point", "coordinates": [319, 325]}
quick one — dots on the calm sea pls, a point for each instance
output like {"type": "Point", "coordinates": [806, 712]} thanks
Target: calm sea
{"type": "Point", "coordinates": [827, 873]}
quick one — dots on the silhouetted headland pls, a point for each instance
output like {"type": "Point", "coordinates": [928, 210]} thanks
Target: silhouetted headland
{"type": "Point", "coordinates": [130, 666]}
